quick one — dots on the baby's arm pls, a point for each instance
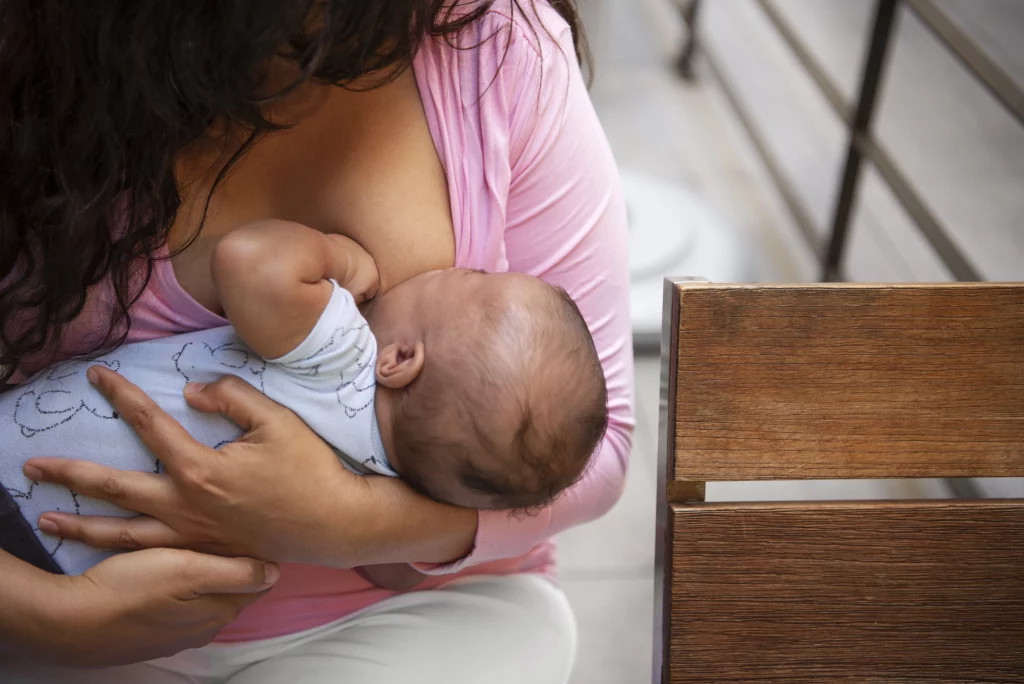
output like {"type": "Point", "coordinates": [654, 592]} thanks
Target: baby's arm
{"type": "Point", "coordinates": [272, 280]}
{"type": "Point", "coordinates": [271, 277]}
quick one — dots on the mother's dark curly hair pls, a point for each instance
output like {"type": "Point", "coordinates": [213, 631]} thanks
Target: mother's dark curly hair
{"type": "Point", "coordinates": [98, 98]}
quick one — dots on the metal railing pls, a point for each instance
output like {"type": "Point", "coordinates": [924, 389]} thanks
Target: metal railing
{"type": "Point", "coordinates": [857, 117]}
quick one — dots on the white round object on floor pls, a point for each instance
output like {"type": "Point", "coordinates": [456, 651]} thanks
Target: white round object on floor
{"type": "Point", "coordinates": [673, 233]}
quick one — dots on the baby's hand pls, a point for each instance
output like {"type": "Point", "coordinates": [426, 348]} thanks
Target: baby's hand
{"type": "Point", "coordinates": [356, 271]}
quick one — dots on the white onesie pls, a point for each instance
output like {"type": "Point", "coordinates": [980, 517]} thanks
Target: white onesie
{"type": "Point", "coordinates": [328, 380]}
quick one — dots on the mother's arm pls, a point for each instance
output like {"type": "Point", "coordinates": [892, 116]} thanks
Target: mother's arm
{"type": "Point", "coordinates": [127, 609]}
{"type": "Point", "coordinates": [277, 493]}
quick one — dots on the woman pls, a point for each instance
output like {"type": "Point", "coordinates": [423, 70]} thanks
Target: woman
{"type": "Point", "coordinates": [136, 134]}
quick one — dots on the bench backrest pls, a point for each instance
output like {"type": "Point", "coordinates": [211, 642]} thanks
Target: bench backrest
{"type": "Point", "coordinates": [840, 381]}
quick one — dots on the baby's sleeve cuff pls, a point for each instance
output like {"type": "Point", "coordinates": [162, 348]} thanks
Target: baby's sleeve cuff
{"type": "Point", "coordinates": [498, 535]}
{"type": "Point", "coordinates": [341, 309]}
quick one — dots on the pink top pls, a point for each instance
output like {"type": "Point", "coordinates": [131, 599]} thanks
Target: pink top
{"type": "Point", "coordinates": [533, 189]}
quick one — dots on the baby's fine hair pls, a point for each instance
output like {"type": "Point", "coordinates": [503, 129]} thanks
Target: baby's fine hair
{"type": "Point", "coordinates": [527, 399]}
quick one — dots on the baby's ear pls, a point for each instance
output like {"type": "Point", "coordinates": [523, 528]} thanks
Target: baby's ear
{"type": "Point", "coordinates": [399, 364]}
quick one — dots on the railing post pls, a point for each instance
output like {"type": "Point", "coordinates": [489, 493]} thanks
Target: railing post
{"type": "Point", "coordinates": [684, 65]}
{"type": "Point", "coordinates": [878, 50]}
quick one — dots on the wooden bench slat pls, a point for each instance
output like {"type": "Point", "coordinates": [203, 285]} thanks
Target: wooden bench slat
{"type": "Point", "coordinates": [823, 381]}
{"type": "Point", "coordinates": [866, 592]}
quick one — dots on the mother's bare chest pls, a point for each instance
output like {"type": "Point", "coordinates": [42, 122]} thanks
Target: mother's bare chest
{"type": "Point", "coordinates": [361, 164]}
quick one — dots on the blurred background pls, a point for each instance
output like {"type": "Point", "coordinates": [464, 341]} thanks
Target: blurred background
{"type": "Point", "coordinates": [733, 165]}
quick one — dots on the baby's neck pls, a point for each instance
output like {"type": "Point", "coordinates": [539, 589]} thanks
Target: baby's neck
{"type": "Point", "coordinates": [384, 406]}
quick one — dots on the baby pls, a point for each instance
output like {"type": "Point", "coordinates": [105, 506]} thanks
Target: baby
{"type": "Point", "coordinates": [480, 390]}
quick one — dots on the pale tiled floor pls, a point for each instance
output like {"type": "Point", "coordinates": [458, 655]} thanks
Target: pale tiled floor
{"type": "Point", "coordinates": [688, 134]}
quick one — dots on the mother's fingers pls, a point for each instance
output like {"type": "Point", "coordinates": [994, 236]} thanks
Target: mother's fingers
{"type": "Point", "coordinates": [105, 532]}
{"type": "Point", "coordinates": [137, 491]}
{"type": "Point", "coordinates": [243, 404]}
{"type": "Point", "coordinates": [205, 574]}
{"type": "Point", "coordinates": [162, 435]}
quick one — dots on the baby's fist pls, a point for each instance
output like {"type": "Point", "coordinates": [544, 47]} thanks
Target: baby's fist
{"type": "Point", "coordinates": [359, 275]}
{"type": "Point", "coordinates": [365, 280]}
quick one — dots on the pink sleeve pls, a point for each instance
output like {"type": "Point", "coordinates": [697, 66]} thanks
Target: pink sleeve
{"type": "Point", "coordinates": [566, 223]}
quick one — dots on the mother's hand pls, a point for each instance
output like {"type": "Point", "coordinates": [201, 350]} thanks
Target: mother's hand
{"type": "Point", "coordinates": [268, 495]}
{"type": "Point", "coordinates": [135, 607]}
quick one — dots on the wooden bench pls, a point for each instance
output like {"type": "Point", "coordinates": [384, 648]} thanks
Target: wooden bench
{"type": "Point", "coordinates": [840, 381]}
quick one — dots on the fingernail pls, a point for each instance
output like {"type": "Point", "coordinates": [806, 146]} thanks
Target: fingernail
{"type": "Point", "coordinates": [48, 526]}
{"type": "Point", "coordinates": [31, 472]}
{"type": "Point", "coordinates": [195, 387]}
{"type": "Point", "coordinates": [92, 375]}
{"type": "Point", "coordinates": [271, 573]}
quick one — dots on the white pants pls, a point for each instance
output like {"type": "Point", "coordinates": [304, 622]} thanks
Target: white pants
{"type": "Point", "coordinates": [500, 630]}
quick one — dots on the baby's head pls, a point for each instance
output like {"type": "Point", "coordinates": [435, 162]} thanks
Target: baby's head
{"type": "Point", "coordinates": [490, 391]}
